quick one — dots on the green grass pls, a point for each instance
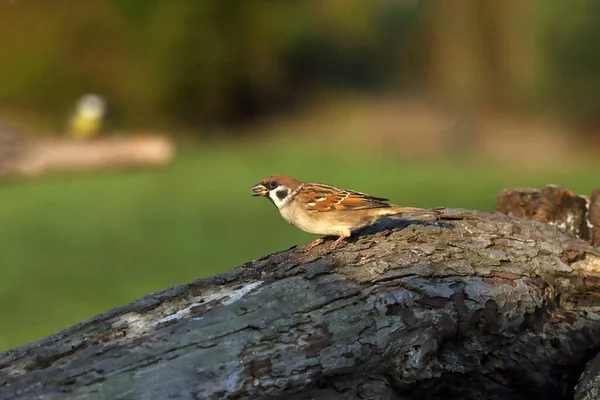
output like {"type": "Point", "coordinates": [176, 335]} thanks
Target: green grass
{"type": "Point", "coordinates": [74, 245]}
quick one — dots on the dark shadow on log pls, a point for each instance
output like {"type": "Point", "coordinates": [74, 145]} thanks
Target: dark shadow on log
{"type": "Point", "coordinates": [387, 224]}
{"type": "Point", "coordinates": [494, 308]}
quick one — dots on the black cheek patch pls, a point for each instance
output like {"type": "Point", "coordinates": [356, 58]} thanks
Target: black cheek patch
{"type": "Point", "coordinates": [281, 194]}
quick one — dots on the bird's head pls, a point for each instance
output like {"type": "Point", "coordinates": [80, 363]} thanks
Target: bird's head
{"type": "Point", "coordinates": [277, 188]}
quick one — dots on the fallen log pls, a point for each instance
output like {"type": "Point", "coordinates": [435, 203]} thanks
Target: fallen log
{"type": "Point", "coordinates": [481, 306]}
{"type": "Point", "coordinates": [40, 157]}
{"type": "Point", "coordinates": [11, 143]}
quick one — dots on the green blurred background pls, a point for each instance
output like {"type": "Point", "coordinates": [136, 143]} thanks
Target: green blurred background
{"type": "Point", "coordinates": [429, 103]}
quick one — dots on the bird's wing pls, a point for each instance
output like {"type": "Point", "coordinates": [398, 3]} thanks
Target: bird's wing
{"type": "Point", "coordinates": [324, 198]}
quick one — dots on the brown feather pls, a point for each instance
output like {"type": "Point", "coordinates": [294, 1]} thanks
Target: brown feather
{"type": "Point", "coordinates": [325, 198]}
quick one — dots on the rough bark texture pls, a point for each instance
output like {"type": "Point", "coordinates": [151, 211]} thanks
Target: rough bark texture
{"type": "Point", "coordinates": [588, 387]}
{"type": "Point", "coordinates": [491, 307]}
{"type": "Point", "coordinates": [553, 204]}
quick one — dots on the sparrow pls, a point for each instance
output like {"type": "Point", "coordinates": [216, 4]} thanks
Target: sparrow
{"type": "Point", "coordinates": [324, 209]}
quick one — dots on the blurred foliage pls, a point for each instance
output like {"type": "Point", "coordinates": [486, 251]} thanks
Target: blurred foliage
{"type": "Point", "coordinates": [198, 61]}
{"type": "Point", "coordinates": [193, 63]}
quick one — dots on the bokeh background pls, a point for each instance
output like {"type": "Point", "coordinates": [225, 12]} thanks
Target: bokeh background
{"type": "Point", "coordinates": [429, 103]}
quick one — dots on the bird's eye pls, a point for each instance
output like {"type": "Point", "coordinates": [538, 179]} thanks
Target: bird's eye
{"type": "Point", "coordinates": [272, 185]}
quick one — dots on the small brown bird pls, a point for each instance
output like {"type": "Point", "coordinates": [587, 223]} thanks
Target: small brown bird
{"type": "Point", "coordinates": [324, 209]}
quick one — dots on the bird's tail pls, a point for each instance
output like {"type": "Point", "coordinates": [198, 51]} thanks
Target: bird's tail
{"type": "Point", "coordinates": [421, 214]}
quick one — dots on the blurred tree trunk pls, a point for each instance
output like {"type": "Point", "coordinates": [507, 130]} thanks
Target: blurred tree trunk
{"type": "Point", "coordinates": [492, 307]}
{"type": "Point", "coordinates": [480, 51]}
{"type": "Point", "coordinates": [510, 49]}
{"type": "Point", "coordinates": [482, 58]}
{"type": "Point", "coordinates": [456, 73]}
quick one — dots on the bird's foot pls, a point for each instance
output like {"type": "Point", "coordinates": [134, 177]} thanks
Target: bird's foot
{"type": "Point", "coordinates": [337, 242]}
{"type": "Point", "coordinates": [313, 244]}
{"type": "Point", "coordinates": [317, 242]}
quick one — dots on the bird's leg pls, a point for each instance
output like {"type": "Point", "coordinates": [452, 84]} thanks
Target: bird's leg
{"type": "Point", "coordinates": [337, 242]}
{"type": "Point", "coordinates": [343, 235]}
{"type": "Point", "coordinates": [313, 244]}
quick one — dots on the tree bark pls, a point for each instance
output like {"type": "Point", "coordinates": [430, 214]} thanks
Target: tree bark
{"type": "Point", "coordinates": [578, 216]}
{"type": "Point", "coordinates": [483, 306]}
{"type": "Point", "coordinates": [588, 387]}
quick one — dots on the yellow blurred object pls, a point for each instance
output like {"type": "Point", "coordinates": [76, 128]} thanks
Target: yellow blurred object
{"type": "Point", "coordinates": [86, 121]}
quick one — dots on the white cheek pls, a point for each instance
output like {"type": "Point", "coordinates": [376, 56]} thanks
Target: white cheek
{"type": "Point", "coordinates": [279, 202]}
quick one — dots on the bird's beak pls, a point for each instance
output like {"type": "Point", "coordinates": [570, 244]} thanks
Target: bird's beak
{"type": "Point", "coordinates": [259, 190]}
